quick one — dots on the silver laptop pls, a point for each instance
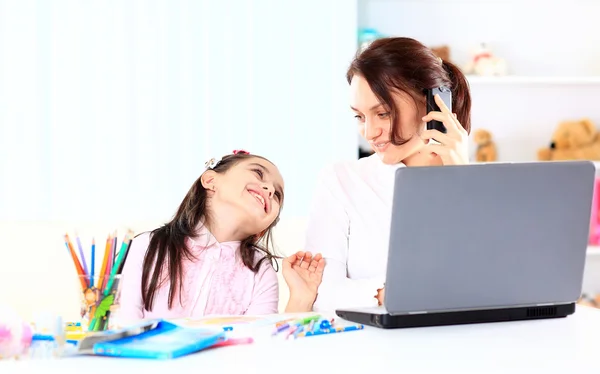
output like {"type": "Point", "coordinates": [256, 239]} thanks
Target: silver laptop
{"type": "Point", "coordinates": [485, 243]}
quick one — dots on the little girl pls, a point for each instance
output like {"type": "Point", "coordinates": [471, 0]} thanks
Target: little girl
{"type": "Point", "coordinates": [208, 259]}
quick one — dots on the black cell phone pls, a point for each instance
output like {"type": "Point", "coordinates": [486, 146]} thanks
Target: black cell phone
{"type": "Point", "coordinates": [446, 96]}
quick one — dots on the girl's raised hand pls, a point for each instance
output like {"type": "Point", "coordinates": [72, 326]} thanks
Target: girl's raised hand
{"type": "Point", "coordinates": [453, 146]}
{"type": "Point", "coordinates": [303, 273]}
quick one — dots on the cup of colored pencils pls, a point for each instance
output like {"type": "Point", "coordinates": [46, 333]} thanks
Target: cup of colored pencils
{"type": "Point", "coordinates": [100, 282]}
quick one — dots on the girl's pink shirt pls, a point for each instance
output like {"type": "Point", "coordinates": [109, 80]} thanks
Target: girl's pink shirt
{"type": "Point", "coordinates": [217, 283]}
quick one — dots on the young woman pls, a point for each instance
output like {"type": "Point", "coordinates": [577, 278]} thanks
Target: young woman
{"type": "Point", "coordinates": [209, 259]}
{"type": "Point", "coordinates": [350, 219]}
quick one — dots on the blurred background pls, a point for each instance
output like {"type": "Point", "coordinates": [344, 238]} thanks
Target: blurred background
{"type": "Point", "coordinates": [109, 109]}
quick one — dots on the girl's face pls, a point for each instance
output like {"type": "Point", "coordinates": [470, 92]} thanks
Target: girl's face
{"type": "Point", "coordinates": [250, 193]}
{"type": "Point", "coordinates": [374, 121]}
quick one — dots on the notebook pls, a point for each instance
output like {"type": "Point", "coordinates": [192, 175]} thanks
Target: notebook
{"type": "Point", "coordinates": [166, 341]}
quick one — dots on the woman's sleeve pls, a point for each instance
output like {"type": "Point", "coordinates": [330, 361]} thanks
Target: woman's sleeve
{"type": "Point", "coordinates": [131, 308]}
{"type": "Point", "coordinates": [328, 234]}
{"type": "Point", "coordinates": [265, 297]}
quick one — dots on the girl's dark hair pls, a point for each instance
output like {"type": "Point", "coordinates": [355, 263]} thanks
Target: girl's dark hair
{"type": "Point", "coordinates": [167, 249]}
{"type": "Point", "coordinates": [406, 65]}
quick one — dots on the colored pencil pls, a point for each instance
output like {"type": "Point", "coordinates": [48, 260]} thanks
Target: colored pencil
{"type": "Point", "coordinates": [83, 262]}
{"type": "Point", "coordinates": [78, 267]}
{"type": "Point", "coordinates": [114, 251]}
{"type": "Point", "coordinates": [104, 262]}
{"type": "Point", "coordinates": [117, 264]}
{"type": "Point", "coordinates": [93, 259]}
{"type": "Point", "coordinates": [120, 269]}
{"type": "Point", "coordinates": [109, 263]}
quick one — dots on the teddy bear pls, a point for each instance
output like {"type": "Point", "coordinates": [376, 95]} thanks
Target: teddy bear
{"type": "Point", "coordinates": [573, 140]}
{"type": "Point", "coordinates": [483, 62]}
{"type": "Point", "coordinates": [486, 148]}
{"type": "Point", "coordinates": [588, 300]}
{"type": "Point", "coordinates": [442, 51]}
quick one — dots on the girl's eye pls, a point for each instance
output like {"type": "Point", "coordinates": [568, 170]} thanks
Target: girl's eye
{"type": "Point", "coordinates": [383, 115]}
{"type": "Point", "coordinates": [278, 195]}
{"type": "Point", "coordinates": [259, 172]}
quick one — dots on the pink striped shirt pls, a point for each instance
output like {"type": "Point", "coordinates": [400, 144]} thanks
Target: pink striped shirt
{"type": "Point", "coordinates": [217, 283]}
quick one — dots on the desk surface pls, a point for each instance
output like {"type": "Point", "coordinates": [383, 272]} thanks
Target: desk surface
{"type": "Point", "coordinates": [566, 343]}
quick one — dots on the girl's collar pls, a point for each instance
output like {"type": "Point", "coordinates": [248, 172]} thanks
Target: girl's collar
{"type": "Point", "coordinates": [204, 238]}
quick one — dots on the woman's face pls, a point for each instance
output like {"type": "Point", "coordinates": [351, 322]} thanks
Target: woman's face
{"type": "Point", "coordinates": [374, 121]}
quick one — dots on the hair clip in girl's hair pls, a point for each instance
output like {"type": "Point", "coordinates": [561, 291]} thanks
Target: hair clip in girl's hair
{"type": "Point", "coordinates": [240, 152]}
{"type": "Point", "coordinates": [210, 164]}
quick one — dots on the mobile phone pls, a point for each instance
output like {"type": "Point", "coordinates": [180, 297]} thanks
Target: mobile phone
{"type": "Point", "coordinates": [446, 96]}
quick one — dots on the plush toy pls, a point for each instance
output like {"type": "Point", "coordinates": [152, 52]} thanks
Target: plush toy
{"type": "Point", "coordinates": [483, 62]}
{"type": "Point", "coordinates": [588, 300]}
{"type": "Point", "coordinates": [486, 149]}
{"type": "Point", "coordinates": [442, 52]}
{"type": "Point", "coordinates": [573, 140]}
{"type": "Point", "coordinates": [15, 334]}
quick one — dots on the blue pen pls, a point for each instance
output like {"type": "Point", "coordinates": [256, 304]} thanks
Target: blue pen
{"type": "Point", "coordinates": [332, 330]}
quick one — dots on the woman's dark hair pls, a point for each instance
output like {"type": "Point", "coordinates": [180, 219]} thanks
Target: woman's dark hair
{"type": "Point", "coordinates": [167, 249]}
{"type": "Point", "coordinates": [406, 65]}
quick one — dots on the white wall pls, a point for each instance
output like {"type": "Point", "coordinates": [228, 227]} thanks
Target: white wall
{"type": "Point", "coordinates": [110, 109]}
{"type": "Point", "coordinates": [538, 37]}
{"type": "Point", "coordinates": [523, 116]}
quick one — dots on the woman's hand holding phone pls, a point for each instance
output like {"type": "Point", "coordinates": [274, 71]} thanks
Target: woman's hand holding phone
{"type": "Point", "coordinates": [452, 147]}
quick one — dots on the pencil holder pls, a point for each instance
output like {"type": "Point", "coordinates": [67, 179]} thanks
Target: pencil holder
{"type": "Point", "coordinates": [99, 302]}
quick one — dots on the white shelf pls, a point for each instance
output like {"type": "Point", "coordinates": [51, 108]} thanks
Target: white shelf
{"type": "Point", "coordinates": [593, 250]}
{"type": "Point", "coordinates": [596, 163]}
{"type": "Point", "coordinates": [519, 79]}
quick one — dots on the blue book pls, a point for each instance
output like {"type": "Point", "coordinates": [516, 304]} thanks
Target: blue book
{"type": "Point", "coordinates": [166, 341]}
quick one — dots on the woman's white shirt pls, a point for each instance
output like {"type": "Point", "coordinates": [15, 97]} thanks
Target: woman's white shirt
{"type": "Point", "coordinates": [349, 223]}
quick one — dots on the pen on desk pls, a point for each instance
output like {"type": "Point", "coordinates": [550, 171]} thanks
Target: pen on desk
{"type": "Point", "coordinates": [297, 332]}
{"type": "Point", "coordinates": [293, 331]}
{"type": "Point", "coordinates": [234, 341]}
{"type": "Point", "coordinates": [281, 328]}
{"type": "Point", "coordinates": [307, 320]}
{"type": "Point", "coordinates": [311, 325]}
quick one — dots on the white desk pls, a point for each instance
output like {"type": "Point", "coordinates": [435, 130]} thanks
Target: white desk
{"type": "Point", "coordinates": [571, 344]}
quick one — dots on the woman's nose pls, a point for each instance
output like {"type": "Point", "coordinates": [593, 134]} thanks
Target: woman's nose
{"type": "Point", "coordinates": [371, 131]}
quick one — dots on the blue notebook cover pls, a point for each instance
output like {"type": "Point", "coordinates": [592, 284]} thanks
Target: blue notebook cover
{"type": "Point", "coordinates": [166, 341]}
